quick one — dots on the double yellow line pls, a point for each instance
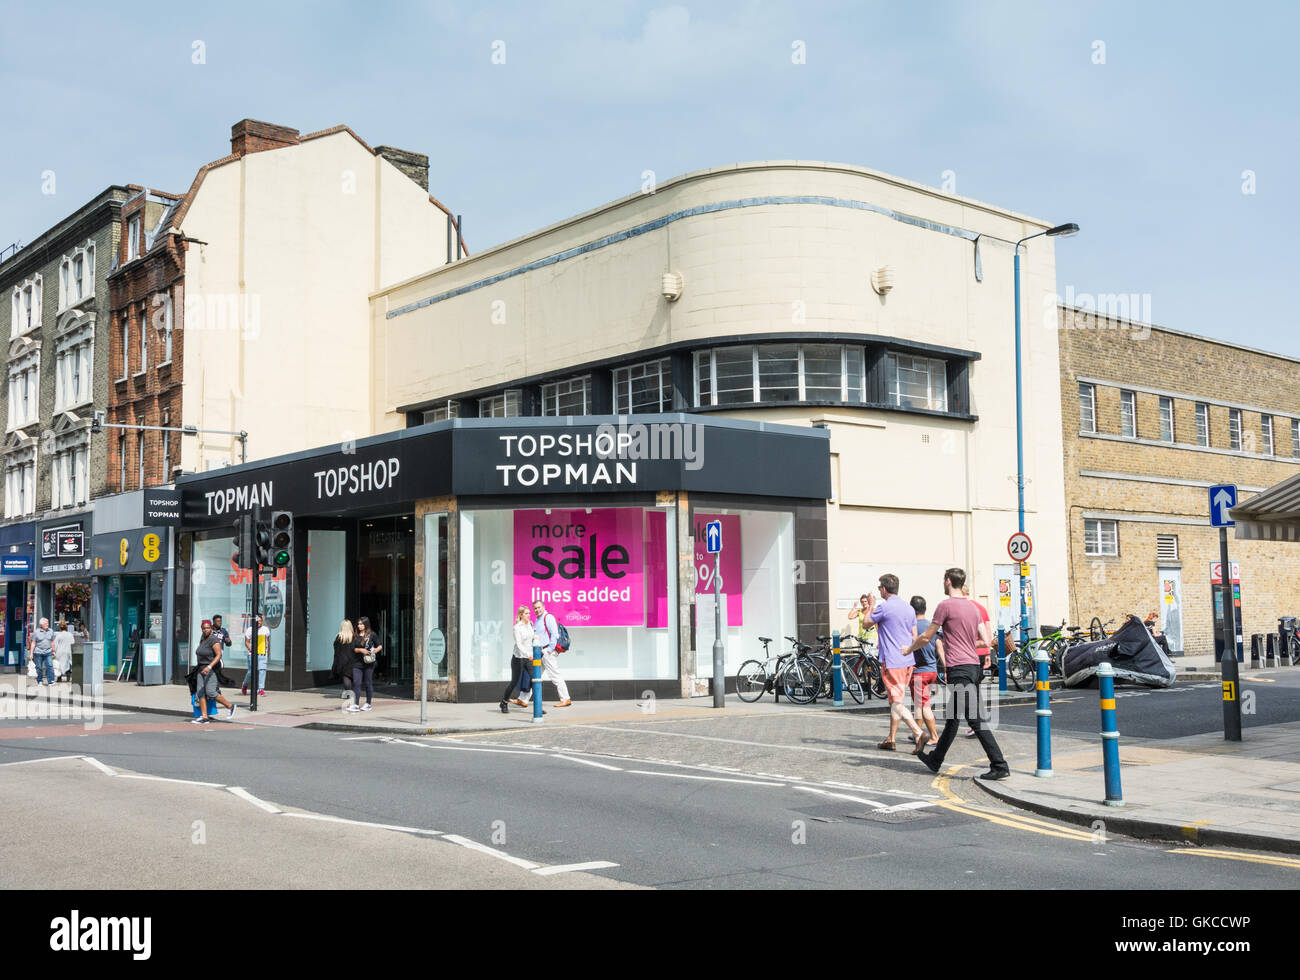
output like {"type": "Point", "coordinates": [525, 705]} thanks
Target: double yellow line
{"type": "Point", "coordinates": [951, 801]}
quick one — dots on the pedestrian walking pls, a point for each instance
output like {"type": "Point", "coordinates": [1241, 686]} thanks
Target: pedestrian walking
{"type": "Point", "coordinates": [963, 632]}
{"type": "Point", "coordinates": [366, 648]}
{"type": "Point", "coordinates": [521, 662]}
{"type": "Point", "coordinates": [208, 655]}
{"type": "Point", "coordinates": [344, 657]}
{"type": "Point", "coordinates": [220, 630]}
{"type": "Point", "coordinates": [547, 632]}
{"type": "Point", "coordinates": [263, 651]}
{"type": "Point", "coordinates": [895, 629]}
{"type": "Point", "coordinates": [929, 661]}
{"type": "Point", "coordinates": [987, 655]}
{"type": "Point", "coordinates": [41, 650]}
{"type": "Point", "coordinates": [62, 647]}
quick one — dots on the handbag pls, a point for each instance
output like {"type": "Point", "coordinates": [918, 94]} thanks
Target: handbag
{"type": "Point", "coordinates": [368, 657]}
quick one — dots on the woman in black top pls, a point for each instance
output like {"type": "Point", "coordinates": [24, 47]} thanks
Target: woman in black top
{"type": "Point", "coordinates": [364, 644]}
{"type": "Point", "coordinates": [344, 657]}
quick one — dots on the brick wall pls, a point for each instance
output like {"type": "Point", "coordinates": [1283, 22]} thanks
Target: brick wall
{"type": "Point", "coordinates": [1120, 355]}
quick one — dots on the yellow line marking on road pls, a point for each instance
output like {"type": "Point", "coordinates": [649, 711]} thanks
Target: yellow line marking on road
{"type": "Point", "coordinates": [955, 803]}
{"type": "Point", "coordinates": [1280, 862]}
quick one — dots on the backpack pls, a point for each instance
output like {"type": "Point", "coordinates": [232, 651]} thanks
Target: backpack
{"type": "Point", "coordinates": [562, 641]}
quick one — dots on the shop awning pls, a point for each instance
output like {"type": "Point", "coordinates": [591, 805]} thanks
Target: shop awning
{"type": "Point", "coordinates": [1273, 515]}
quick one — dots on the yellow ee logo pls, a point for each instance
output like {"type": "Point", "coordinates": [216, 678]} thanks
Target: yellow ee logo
{"type": "Point", "coordinates": [1229, 690]}
{"type": "Point", "coordinates": [150, 551]}
{"type": "Point", "coordinates": [124, 553]}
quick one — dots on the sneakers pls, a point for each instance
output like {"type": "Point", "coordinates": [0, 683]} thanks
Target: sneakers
{"type": "Point", "coordinates": [244, 689]}
{"type": "Point", "coordinates": [351, 707]}
{"type": "Point", "coordinates": [970, 733]}
{"type": "Point", "coordinates": [367, 706]}
{"type": "Point", "coordinates": [231, 713]}
{"type": "Point", "coordinates": [504, 709]}
{"type": "Point", "coordinates": [199, 721]}
{"type": "Point", "coordinates": [521, 704]}
{"type": "Point", "coordinates": [1002, 773]}
{"type": "Point", "coordinates": [261, 694]}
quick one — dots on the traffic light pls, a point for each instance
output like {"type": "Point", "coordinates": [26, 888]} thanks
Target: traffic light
{"type": "Point", "coordinates": [282, 538]}
{"type": "Point", "coordinates": [243, 556]}
{"type": "Point", "coordinates": [262, 543]}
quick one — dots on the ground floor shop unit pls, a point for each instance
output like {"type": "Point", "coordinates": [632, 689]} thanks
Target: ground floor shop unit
{"type": "Point", "coordinates": [438, 535]}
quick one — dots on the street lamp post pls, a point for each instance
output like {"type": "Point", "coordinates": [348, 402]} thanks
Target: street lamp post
{"type": "Point", "coordinates": [1059, 230]}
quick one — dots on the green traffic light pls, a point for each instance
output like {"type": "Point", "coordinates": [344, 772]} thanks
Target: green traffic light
{"type": "Point", "coordinates": [281, 559]}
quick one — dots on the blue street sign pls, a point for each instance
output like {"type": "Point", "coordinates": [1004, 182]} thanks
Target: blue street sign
{"type": "Point", "coordinates": [1222, 499]}
{"type": "Point", "coordinates": [713, 534]}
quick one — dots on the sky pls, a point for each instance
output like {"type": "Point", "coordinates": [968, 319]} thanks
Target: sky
{"type": "Point", "coordinates": [1168, 132]}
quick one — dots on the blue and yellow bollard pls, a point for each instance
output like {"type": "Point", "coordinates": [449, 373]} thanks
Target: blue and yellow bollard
{"type": "Point", "coordinates": [1044, 715]}
{"type": "Point", "coordinates": [1002, 660]}
{"type": "Point", "coordinates": [837, 678]}
{"type": "Point", "coordinates": [537, 684]}
{"type": "Point", "coordinates": [1109, 735]}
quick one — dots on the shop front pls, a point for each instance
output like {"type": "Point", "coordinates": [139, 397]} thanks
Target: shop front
{"type": "Point", "coordinates": [439, 534]}
{"type": "Point", "coordinates": [18, 591]}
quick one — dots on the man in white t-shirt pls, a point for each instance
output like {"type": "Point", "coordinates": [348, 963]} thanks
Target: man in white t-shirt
{"type": "Point", "coordinates": [263, 652]}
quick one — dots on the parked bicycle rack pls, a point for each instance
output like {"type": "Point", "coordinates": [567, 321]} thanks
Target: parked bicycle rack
{"type": "Point", "coordinates": [1256, 650]}
{"type": "Point", "coordinates": [1271, 653]}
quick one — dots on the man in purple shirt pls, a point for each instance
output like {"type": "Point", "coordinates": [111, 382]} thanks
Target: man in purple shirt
{"type": "Point", "coordinates": [896, 629]}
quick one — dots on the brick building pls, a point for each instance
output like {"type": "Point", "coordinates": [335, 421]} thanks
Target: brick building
{"type": "Point", "coordinates": [1152, 418]}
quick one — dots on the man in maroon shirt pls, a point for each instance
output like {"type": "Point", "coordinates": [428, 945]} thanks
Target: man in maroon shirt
{"type": "Point", "coordinates": [963, 630]}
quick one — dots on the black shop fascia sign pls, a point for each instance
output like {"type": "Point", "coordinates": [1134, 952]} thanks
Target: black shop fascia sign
{"type": "Point", "coordinates": [478, 457]}
{"type": "Point", "coordinates": [63, 547]}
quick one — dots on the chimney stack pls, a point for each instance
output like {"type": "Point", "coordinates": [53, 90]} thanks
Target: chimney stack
{"type": "Point", "coordinates": [251, 136]}
{"type": "Point", "coordinates": [414, 165]}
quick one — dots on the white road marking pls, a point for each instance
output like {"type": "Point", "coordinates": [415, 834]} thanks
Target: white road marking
{"type": "Point", "coordinates": [556, 869]}
{"type": "Point", "coordinates": [244, 794]}
{"type": "Point", "coordinates": [711, 779]}
{"type": "Point", "coordinates": [100, 766]}
{"type": "Point", "coordinates": [586, 762]}
{"type": "Point", "coordinates": [841, 796]}
{"type": "Point", "coordinates": [165, 779]}
{"type": "Point", "coordinates": [914, 805]}
{"type": "Point", "coordinates": [484, 849]}
{"type": "Point", "coordinates": [53, 758]}
{"type": "Point", "coordinates": [364, 823]}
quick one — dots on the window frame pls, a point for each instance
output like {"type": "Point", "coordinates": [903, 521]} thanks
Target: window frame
{"type": "Point", "coordinates": [852, 383]}
{"type": "Point", "coordinates": [133, 238]}
{"type": "Point", "coordinates": [1266, 434]}
{"type": "Point", "coordinates": [552, 392]}
{"type": "Point", "coordinates": [1100, 537]}
{"type": "Point", "coordinates": [1203, 425]}
{"type": "Point", "coordinates": [622, 378]}
{"type": "Point", "coordinates": [1234, 429]}
{"type": "Point", "coordinates": [1166, 403]}
{"type": "Point", "coordinates": [1128, 399]}
{"type": "Point", "coordinates": [1091, 421]}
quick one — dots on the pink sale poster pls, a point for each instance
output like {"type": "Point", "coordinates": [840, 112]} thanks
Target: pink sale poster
{"type": "Point", "coordinates": [588, 568]}
{"type": "Point", "coordinates": [732, 584]}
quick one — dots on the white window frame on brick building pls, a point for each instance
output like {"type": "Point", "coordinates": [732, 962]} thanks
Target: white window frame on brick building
{"type": "Point", "coordinates": [25, 389]}
{"type": "Point", "coordinates": [70, 467]}
{"type": "Point", "coordinates": [1087, 408]}
{"type": "Point", "coordinates": [1101, 538]}
{"type": "Point", "coordinates": [133, 238]}
{"type": "Point", "coordinates": [77, 276]}
{"type": "Point", "coordinates": [144, 342]}
{"type": "Point", "coordinates": [166, 457]}
{"type": "Point", "coordinates": [74, 361]}
{"type": "Point", "coordinates": [567, 398]}
{"type": "Point", "coordinates": [1295, 438]}
{"type": "Point", "coordinates": [1266, 434]}
{"type": "Point", "coordinates": [1166, 419]}
{"type": "Point", "coordinates": [162, 319]}
{"type": "Point", "coordinates": [1128, 423]}
{"type": "Point", "coordinates": [125, 326]}
{"type": "Point", "coordinates": [1234, 429]}
{"type": "Point", "coordinates": [1202, 424]}
{"type": "Point", "coordinates": [645, 387]}
{"type": "Point", "coordinates": [20, 478]}
{"type": "Point", "coordinates": [139, 448]}
{"type": "Point", "coordinates": [503, 406]}
{"type": "Point", "coordinates": [25, 307]}
{"type": "Point", "coordinates": [441, 413]}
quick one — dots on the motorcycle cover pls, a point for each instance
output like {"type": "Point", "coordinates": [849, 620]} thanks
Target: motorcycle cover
{"type": "Point", "coordinates": [1131, 650]}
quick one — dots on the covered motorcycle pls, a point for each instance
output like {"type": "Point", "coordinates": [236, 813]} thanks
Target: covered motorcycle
{"type": "Point", "coordinates": [1131, 650]}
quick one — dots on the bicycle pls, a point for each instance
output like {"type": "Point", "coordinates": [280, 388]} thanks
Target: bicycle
{"type": "Point", "coordinates": [854, 669]}
{"type": "Point", "coordinates": [861, 658]}
{"type": "Point", "coordinates": [794, 671]}
{"type": "Point", "coordinates": [1097, 629]}
{"type": "Point", "coordinates": [1022, 668]}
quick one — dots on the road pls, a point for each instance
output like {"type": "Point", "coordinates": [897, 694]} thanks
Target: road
{"type": "Point", "coordinates": [800, 799]}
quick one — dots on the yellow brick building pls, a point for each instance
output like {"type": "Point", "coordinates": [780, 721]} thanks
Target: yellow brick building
{"type": "Point", "coordinates": [1152, 418]}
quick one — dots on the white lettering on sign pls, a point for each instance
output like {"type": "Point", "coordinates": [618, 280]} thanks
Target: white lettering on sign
{"type": "Point", "coordinates": [235, 499]}
{"type": "Point", "coordinates": [549, 474]}
{"type": "Point", "coordinates": [378, 474]}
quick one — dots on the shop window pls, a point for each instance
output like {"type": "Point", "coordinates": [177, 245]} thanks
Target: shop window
{"type": "Point", "coordinates": [566, 398]}
{"type": "Point", "coordinates": [1101, 539]}
{"type": "Point", "coordinates": [218, 587]}
{"type": "Point", "coordinates": [435, 595]}
{"type": "Point", "coordinates": [327, 562]}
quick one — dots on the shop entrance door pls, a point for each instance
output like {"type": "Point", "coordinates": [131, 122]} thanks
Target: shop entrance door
{"type": "Point", "coordinates": [386, 594]}
{"type": "Point", "coordinates": [134, 617]}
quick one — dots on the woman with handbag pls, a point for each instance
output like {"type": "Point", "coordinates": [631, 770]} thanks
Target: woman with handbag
{"type": "Point", "coordinates": [367, 647]}
{"type": "Point", "coordinates": [344, 657]}
{"type": "Point", "coordinates": [521, 664]}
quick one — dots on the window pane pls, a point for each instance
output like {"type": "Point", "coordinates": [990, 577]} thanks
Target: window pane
{"type": "Point", "coordinates": [704, 378]}
{"type": "Point", "coordinates": [735, 374]}
{"type": "Point", "coordinates": [1127, 414]}
{"type": "Point", "coordinates": [1202, 425]}
{"type": "Point", "coordinates": [918, 382]}
{"type": "Point", "coordinates": [565, 397]}
{"type": "Point", "coordinates": [1295, 439]}
{"type": "Point", "coordinates": [1167, 419]}
{"type": "Point", "coordinates": [1234, 428]}
{"type": "Point", "coordinates": [823, 373]}
{"type": "Point", "coordinates": [778, 373]}
{"type": "Point", "coordinates": [856, 359]}
{"type": "Point", "coordinates": [1087, 409]}
{"type": "Point", "coordinates": [651, 387]}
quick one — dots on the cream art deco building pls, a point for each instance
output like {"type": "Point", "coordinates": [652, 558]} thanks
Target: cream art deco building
{"type": "Point", "coordinates": [799, 293]}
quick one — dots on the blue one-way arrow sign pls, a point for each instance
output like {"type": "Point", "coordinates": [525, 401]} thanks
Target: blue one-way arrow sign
{"type": "Point", "coordinates": [713, 535]}
{"type": "Point", "coordinates": [1222, 499]}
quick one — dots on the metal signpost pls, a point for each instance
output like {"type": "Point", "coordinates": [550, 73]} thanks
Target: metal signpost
{"type": "Point", "coordinates": [434, 651]}
{"type": "Point", "coordinates": [254, 520]}
{"type": "Point", "coordinates": [713, 538]}
{"type": "Point", "coordinates": [1222, 499]}
{"type": "Point", "coordinates": [1019, 547]}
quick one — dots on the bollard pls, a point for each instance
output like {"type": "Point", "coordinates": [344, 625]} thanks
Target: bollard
{"type": "Point", "coordinates": [1002, 660]}
{"type": "Point", "coordinates": [1044, 715]}
{"type": "Point", "coordinates": [1271, 652]}
{"type": "Point", "coordinates": [1109, 735]}
{"type": "Point", "coordinates": [837, 678]}
{"type": "Point", "coordinates": [537, 684]}
{"type": "Point", "coordinates": [1256, 643]}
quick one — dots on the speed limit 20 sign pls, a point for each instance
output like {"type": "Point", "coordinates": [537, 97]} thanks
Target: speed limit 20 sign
{"type": "Point", "coordinates": [1019, 546]}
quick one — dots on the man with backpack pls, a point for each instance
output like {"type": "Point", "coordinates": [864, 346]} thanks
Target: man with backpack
{"type": "Point", "coordinates": [551, 637]}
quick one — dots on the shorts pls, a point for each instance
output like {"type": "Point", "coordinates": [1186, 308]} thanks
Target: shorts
{"type": "Point", "coordinates": [896, 679]}
{"type": "Point", "coordinates": [923, 682]}
{"type": "Point", "coordinates": [205, 686]}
